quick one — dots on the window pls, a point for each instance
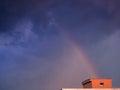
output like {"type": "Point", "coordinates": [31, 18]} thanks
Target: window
{"type": "Point", "coordinates": [101, 84]}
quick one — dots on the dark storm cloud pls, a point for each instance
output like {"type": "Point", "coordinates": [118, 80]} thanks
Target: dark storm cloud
{"type": "Point", "coordinates": [14, 10]}
{"type": "Point", "coordinates": [15, 14]}
{"type": "Point", "coordinates": [88, 18]}
{"type": "Point", "coordinates": [75, 15]}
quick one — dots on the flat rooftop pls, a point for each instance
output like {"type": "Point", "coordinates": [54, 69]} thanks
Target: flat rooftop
{"type": "Point", "coordinates": [90, 89]}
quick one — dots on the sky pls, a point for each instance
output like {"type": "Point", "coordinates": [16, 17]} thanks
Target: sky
{"type": "Point", "coordinates": [38, 40]}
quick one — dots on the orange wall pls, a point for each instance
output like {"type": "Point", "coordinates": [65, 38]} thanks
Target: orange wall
{"type": "Point", "coordinates": [96, 83]}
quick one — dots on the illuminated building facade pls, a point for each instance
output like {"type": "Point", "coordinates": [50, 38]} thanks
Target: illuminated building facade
{"type": "Point", "coordinates": [95, 84]}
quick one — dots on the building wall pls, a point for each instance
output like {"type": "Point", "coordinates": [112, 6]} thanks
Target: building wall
{"type": "Point", "coordinates": [97, 83]}
{"type": "Point", "coordinates": [101, 83]}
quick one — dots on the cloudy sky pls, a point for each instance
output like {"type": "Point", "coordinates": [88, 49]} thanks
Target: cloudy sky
{"type": "Point", "coordinates": [37, 39]}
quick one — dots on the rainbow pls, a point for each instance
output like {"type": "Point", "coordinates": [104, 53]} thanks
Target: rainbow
{"type": "Point", "coordinates": [84, 59]}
